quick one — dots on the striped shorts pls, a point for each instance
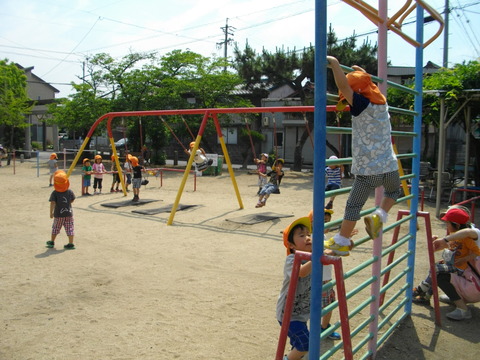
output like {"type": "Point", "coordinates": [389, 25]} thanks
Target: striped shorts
{"type": "Point", "coordinates": [363, 185]}
{"type": "Point", "coordinates": [66, 222]}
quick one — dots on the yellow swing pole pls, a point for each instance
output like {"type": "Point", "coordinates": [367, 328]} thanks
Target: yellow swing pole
{"type": "Point", "coordinates": [227, 160]}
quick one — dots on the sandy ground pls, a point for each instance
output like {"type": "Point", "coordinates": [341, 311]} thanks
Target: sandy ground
{"type": "Point", "coordinates": [202, 288]}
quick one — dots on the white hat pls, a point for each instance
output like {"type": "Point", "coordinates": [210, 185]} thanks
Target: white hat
{"type": "Point", "coordinates": [333, 157]}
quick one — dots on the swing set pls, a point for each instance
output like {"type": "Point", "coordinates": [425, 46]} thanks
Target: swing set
{"type": "Point", "coordinates": [207, 115]}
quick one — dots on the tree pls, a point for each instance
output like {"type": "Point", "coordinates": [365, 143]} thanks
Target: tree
{"type": "Point", "coordinates": [295, 68]}
{"type": "Point", "coordinates": [14, 101]}
{"type": "Point", "coordinates": [454, 82]}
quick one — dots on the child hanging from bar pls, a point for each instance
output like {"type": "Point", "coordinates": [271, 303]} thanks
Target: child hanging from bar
{"type": "Point", "coordinates": [373, 160]}
{"type": "Point", "coordinates": [200, 159]}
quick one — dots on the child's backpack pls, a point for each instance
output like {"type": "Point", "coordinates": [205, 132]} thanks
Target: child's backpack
{"type": "Point", "coordinates": [468, 285]}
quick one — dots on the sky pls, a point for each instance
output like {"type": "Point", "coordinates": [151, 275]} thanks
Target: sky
{"type": "Point", "coordinates": [56, 36]}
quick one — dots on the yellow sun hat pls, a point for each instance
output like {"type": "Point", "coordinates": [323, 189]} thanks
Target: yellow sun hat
{"type": "Point", "coordinates": [304, 221]}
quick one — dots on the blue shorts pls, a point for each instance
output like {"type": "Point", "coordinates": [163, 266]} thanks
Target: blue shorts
{"type": "Point", "coordinates": [298, 334]}
{"type": "Point", "coordinates": [86, 182]}
{"type": "Point", "coordinates": [332, 186]}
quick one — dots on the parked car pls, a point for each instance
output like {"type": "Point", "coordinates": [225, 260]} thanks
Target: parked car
{"type": "Point", "coordinates": [121, 143]}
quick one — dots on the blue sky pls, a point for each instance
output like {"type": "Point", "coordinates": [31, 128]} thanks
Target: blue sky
{"type": "Point", "coordinates": [55, 36]}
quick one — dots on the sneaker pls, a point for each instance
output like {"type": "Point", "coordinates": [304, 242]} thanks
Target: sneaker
{"type": "Point", "coordinates": [420, 297]}
{"type": "Point", "coordinates": [373, 225]}
{"type": "Point", "coordinates": [50, 244]}
{"type": "Point", "coordinates": [445, 299]}
{"type": "Point", "coordinates": [459, 314]}
{"type": "Point", "coordinates": [111, 190]}
{"type": "Point", "coordinates": [338, 249]}
{"type": "Point", "coordinates": [334, 335]}
{"type": "Point", "coordinates": [69, 246]}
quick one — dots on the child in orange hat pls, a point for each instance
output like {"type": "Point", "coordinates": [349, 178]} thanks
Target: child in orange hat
{"type": "Point", "coordinates": [52, 166]}
{"type": "Point", "coordinates": [87, 176]}
{"type": "Point", "coordinates": [137, 178]}
{"type": "Point", "coordinates": [373, 160]}
{"type": "Point", "coordinates": [200, 159]}
{"type": "Point", "coordinates": [98, 171]}
{"type": "Point", "coordinates": [61, 212]}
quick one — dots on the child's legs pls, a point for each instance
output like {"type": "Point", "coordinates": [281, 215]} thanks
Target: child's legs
{"type": "Point", "coordinates": [391, 184]}
{"type": "Point", "coordinates": [69, 228]}
{"type": "Point", "coordinates": [299, 339]}
{"type": "Point", "coordinates": [328, 297]}
{"type": "Point", "coordinates": [56, 226]}
{"type": "Point", "coordinates": [361, 188]}
{"type": "Point", "coordinates": [426, 285]}
{"type": "Point", "coordinates": [100, 181]}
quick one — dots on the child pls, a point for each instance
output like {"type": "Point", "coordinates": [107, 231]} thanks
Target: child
{"type": "Point", "coordinates": [201, 160]}
{"type": "Point", "coordinates": [297, 237]}
{"type": "Point", "coordinates": [52, 166]}
{"type": "Point", "coordinates": [128, 171]}
{"type": "Point", "coordinates": [116, 177]}
{"type": "Point", "coordinates": [98, 171]}
{"type": "Point", "coordinates": [137, 178]}
{"type": "Point", "coordinates": [334, 179]}
{"type": "Point", "coordinates": [276, 176]}
{"type": "Point", "coordinates": [261, 171]}
{"type": "Point", "coordinates": [87, 176]}
{"type": "Point", "coordinates": [373, 160]}
{"type": "Point", "coordinates": [328, 296]}
{"type": "Point", "coordinates": [61, 209]}
{"type": "Point", "coordinates": [455, 259]}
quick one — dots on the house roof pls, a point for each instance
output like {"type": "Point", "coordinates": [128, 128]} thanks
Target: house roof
{"type": "Point", "coordinates": [35, 78]}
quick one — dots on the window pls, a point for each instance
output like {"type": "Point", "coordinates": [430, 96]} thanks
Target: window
{"type": "Point", "coordinates": [229, 136]}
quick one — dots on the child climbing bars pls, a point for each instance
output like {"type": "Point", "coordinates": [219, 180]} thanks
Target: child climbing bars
{"type": "Point", "coordinates": [373, 160]}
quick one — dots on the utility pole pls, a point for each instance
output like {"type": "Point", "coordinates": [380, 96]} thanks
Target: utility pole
{"type": "Point", "coordinates": [227, 31]}
{"type": "Point", "coordinates": [445, 35]}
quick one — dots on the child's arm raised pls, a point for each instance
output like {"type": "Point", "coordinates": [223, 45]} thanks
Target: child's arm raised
{"type": "Point", "coordinates": [340, 79]}
{"type": "Point", "coordinates": [305, 269]}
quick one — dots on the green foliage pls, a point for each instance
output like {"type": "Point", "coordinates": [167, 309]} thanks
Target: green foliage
{"type": "Point", "coordinates": [141, 81]}
{"type": "Point", "coordinates": [451, 84]}
{"type": "Point", "coordinates": [14, 101]}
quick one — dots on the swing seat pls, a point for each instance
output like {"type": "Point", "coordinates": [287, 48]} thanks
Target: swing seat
{"type": "Point", "coordinates": [277, 191]}
{"type": "Point", "coordinates": [205, 165]}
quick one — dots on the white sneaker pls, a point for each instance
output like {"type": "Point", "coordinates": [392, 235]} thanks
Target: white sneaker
{"type": "Point", "coordinates": [445, 299]}
{"type": "Point", "coordinates": [459, 314]}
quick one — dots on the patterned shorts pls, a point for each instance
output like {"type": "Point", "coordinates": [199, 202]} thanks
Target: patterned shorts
{"type": "Point", "coordinates": [137, 182]}
{"type": "Point", "coordinates": [328, 297]}
{"type": "Point", "coordinates": [66, 222]}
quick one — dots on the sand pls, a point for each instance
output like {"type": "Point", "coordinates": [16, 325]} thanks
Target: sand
{"type": "Point", "coordinates": [201, 288]}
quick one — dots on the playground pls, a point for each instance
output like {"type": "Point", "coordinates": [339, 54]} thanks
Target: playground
{"type": "Point", "coordinates": [202, 288]}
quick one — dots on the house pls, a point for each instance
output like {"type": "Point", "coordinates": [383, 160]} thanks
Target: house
{"type": "Point", "coordinates": [42, 94]}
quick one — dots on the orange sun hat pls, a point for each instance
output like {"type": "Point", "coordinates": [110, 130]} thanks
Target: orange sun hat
{"type": "Point", "coordinates": [53, 156]}
{"type": "Point", "coordinates": [60, 181]}
{"type": "Point", "coordinates": [361, 83]}
{"type": "Point", "coordinates": [304, 221]}
{"type": "Point", "coordinates": [134, 160]}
